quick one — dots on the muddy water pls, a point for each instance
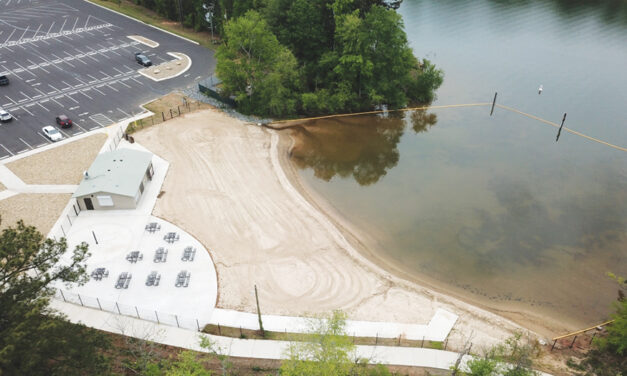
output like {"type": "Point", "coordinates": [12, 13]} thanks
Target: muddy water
{"type": "Point", "coordinates": [489, 208]}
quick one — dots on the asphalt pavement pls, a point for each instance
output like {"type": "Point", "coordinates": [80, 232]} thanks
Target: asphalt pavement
{"type": "Point", "coordinates": [74, 58]}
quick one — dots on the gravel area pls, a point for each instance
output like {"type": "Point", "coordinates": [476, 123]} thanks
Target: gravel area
{"type": "Point", "coordinates": [39, 210]}
{"type": "Point", "coordinates": [61, 165]}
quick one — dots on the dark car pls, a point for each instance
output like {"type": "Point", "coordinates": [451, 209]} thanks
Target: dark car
{"type": "Point", "coordinates": [142, 59]}
{"type": "Point", "coordinates": [64, 121]}
{"type": "Point", "coordinates": [4, 80]}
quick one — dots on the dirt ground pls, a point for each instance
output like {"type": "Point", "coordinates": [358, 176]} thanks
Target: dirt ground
{"type": "Point", "coordinates": [224, 186]}
{"type": "Point", "coordinates": [61, 165]}
{"type": "Point", "coordinates": [2, 187]}
{"type": "Point", "coordinates": [172, 100]}
{"type": "Point", "coordinates": [39, 210]}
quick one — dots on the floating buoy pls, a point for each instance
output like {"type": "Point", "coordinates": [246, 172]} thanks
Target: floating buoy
{"type": "Point", "coordinates": [540, 90]}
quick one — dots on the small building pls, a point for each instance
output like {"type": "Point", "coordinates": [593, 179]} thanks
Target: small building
{"type": "Point", "coordinates": [116, 180]}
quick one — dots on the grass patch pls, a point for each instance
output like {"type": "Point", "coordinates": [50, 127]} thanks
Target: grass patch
{"type": "Point", "coordinates": [226, 331]}
{"type": "Point", "coordinates": [152, 18]}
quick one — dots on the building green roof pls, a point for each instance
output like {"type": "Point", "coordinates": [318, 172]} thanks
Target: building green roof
{"type": "Point", "coordinates": [117, 172]}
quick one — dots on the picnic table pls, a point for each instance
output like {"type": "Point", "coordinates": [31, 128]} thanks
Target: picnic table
{"type": "Point", "coordinates": [161, 255]}
{"type": "Point", "coordinates": [123, 280]}
{"type": "Point", "coordinates": [153, 227]}
{"type": "Point", "coordinates": [182, 279]}
{"type": "Point", "coordinates": [153, 279]}
{"type": "Point", "coordinates": [99, 273]}
{"type": "Point", "coordinates": [171, 237]}
{"type": "Point", "coordinates": [134, 256]}
{"type": "Point", "coordinates": [188, 254]}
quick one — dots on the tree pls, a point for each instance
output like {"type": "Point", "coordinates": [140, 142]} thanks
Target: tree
{"type": "Point", "coordinates": [256, 69]}
{"type": "Point", "coordinates": [512, 358]}
{"type": "Point", "coordinates": [34, 339]}
{"type": "Point", "coordinates": [327, 351]}
{"type": "Point", "coordinates": [609, 353]}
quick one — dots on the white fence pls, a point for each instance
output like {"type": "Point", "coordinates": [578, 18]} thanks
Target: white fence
{"type": "Point", "coordinates": [130, 310]}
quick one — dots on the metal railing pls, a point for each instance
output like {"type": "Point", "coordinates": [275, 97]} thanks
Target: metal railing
{"type": "Point", "coordinates": [130, 310]}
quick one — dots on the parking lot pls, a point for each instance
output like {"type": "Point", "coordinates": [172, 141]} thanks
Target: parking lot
{"type": "Point", "coordinates": [71, 57]}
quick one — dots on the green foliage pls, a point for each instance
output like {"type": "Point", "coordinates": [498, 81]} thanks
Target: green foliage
{"type": "Point", "coordinates": [615, 341]}
{"type": "Point", "coordinates": [336, 56]}
{"type": "Point", "coordinates": [256, 69]}
{"type": "Point", "coordinates": [482, 367]}
{"type": "Point", "coordinates": [327, 352]}
{"type": "Point", "coordinates": [438, 345]}
{"type": "Point", "coordinates": [35, 340]}
{"type": "Point", "coordinates": [512, 358]}
{"type": "Point", "coordinates": [187, 364]}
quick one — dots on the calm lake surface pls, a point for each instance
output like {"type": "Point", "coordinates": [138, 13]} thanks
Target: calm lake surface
{"type": "Point", "coordinates": [492, 208]}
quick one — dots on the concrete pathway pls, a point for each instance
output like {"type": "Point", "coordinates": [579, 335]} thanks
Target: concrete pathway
{"type": "Point", "coordinates": [248, 348]}
{"type": "Point", "coordinates": [436, 330]}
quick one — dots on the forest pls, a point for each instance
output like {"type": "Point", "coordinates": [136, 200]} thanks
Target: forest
{"type": "Point", "coordinates": [280, 58]}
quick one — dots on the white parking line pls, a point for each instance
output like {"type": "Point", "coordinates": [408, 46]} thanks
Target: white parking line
{"type": "Point", "coordinates": [43, 107]}
{"type": "Point", "coordinates": [25, 143]}
{"type": "Point", "coordinates": [9, 151]}
{"type": "Point", "coordinates": [44, 137]}
{"type": "Point", "coordinates": [83, 129]}
{"type": "Point", "coordinates": [98, 91]}
{"type": "Point", "coordinates": [86, 95]}
{"type": "Point", "coordinates": [67, 135]}
{"type": "Point", "coordinates": [12, 72]}
{"type": "Point", "coordinates": [7, 97]}
{"type": "Point", "coordinates": [69, 96]}
{"type": "Point", "coordinates": [24, 108]}
{"type": "Point", "coordinates": [34, 75]}
{"type": "Point", "coordinates": [125, 113]}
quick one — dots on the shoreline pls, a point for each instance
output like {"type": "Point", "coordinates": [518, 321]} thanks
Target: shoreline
{"type": "Point", "coordinates": [228, 185]}
{"type": "Point", "coordinates": [366, 247]}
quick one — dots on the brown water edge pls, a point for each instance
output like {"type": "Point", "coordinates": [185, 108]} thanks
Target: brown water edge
{"type": "Point", "coordinates": [363, 237]}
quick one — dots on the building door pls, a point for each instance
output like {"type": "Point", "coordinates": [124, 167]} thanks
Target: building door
{"type": "Point", "coordinates": [88, 204]}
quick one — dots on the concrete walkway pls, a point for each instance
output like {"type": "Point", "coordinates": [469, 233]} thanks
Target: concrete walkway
{"type": "Point", "coordinates": [247, 348]}
{"type": "Point", "coordinates": [437, 329]}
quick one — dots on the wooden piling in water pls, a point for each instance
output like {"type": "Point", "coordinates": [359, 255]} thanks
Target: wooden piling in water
{"type": "Point", "coordinates": [493, 103]}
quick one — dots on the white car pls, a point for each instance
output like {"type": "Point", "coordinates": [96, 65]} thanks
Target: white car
{"type": "Point", "coordinates": [5, 116]}
{"type": "Point", "coordinates": [52, 133]}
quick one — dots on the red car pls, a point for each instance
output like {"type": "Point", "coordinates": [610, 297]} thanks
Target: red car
{"type": "Point", "coordinates": [64, 121]}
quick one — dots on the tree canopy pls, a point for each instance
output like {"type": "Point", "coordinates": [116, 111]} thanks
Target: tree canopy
{"type": "Point", "coordinates": [283, 57]}
{"type": "Point", "coordinates": [34, 339]}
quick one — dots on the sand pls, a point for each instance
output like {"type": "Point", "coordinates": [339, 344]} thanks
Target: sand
{"type": "Point", "coordinates": [61, 165]}
{"type": "Point", "coordinates": [39, 210]}
{"type": "Point", "coordinates": [226, 187]}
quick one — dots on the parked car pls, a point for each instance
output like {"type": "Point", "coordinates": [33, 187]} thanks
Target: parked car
{"type": "Point", "coordinates": [4, 80]}
{"type": "Point", "coordinates": [142, 59]}
{"type": "Point", "coordinates": [5, 116]}
{"type": "Point", "coordinates": [52, 133]}
{"type": "Point", "coordinates": [64, 121]}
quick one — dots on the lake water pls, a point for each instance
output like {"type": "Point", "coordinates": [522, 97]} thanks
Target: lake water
{"type": "Point", "coordinates": [492, 208]}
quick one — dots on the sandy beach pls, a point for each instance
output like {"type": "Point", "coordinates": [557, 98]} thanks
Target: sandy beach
{"type": "Point", "coordinates": [230, 185]}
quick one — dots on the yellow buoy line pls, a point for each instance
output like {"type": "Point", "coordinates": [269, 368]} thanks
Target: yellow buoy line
{"type": "Point", "coordinates": [564, 128]}
{"type": "Point", "coordinates": [439, 107]}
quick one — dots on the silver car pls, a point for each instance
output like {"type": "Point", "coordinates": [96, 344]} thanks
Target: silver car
{"type": "Point", "coordinates": [5, 116]}
{"type": "Point", "coordinates": [52, 133]}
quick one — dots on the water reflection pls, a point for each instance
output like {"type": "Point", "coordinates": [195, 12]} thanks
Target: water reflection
{"type": "Point", "coordinates": [361, 147]}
